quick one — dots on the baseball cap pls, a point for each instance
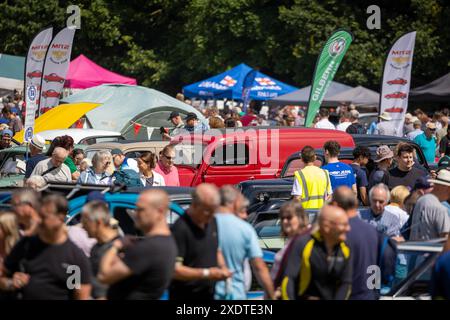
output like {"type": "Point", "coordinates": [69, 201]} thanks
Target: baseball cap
{"type": "Point", "coordinates": [115, 152]}
{"type": "Point", "coordinates": [443, 178]}
{"type": "Point", "coordinates": [173, 114]}
{"type": "Point", "coordinates": [383, 152]}
{"type": "Point", "coordinates": [190, 116]}
{"type": "Point", "coordinates": [422, 183]}
{"type": "Point", "coordinates": [431, 125]}
{"type": "Point", "coordinates": [7, 131]}
{"type": "Point", "coordinates": [38, 142]}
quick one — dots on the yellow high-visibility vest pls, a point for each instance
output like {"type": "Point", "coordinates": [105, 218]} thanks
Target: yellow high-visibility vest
{"type": "Point", "coordinates": [315, 184]}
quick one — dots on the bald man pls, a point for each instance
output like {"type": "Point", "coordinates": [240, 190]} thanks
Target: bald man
{"type": "Point", "coordinates": [53, 169]}
{"type": "Point", "coordinates": [199, 262]}
{"type": "Point", "coordinates": [319, 266]}
{"type": "Point", "coordinates": [363, 240]}
{"type": "Point", "coordinates": [144, 268]}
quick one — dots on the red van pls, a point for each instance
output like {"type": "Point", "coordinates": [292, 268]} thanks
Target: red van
{"type": "Point", "coordinates": [229, 156]}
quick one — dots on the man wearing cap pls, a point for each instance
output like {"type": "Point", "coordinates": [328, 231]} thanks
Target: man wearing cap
{"type": "Point", "coordinates": [15, 124]}
{"type": "Point", "coordinates": [385, 126]}
{"type": "Point", "coordinates": [427, 142]}
{"type": "Point", "coordinates": [5, 142]}
{"type": "Point", "coordinates": [430, 218]}
{"type": "Point", "coordinates": [193, 125]}
{"type": "Point", "coordinates": [121, 162]}
{"type": "Point", "coordinates": [384, 162]}
{"type": "Point", "coordinates": [178, 123]}
{"type": "Point", "coordinates": [37, 145]}
{"type": "Point", "coordinates": [417, 125]}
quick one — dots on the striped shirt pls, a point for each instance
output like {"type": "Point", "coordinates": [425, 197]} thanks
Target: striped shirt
{"type": "Point", "coordinates": [387, 223]}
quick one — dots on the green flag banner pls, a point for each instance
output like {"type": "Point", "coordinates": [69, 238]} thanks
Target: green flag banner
{"type": "Point", "coordinates": [329, 60]}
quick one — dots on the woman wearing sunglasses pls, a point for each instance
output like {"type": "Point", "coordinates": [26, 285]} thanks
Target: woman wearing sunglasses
{"type": "Point", "coordinates": [98, 173]}
{"type": "Point", "coordinates": [146, 165]}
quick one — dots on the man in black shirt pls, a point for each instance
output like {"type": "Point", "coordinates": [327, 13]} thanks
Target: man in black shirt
{"type": "Point", "coordinates": [199, 261]}
{"type": "Point", "coordinates": [363, 241]}
{"type": "Point", "coordinates": [48, 266]}
{"type": "Point", "coordinates": [319, 264]}
{"type": "Point", "coordinates": [142, 269]}
{"type": "Point", "coordinates": [95, 218]}
{"type": "Point", "coordinates": [405, 173]}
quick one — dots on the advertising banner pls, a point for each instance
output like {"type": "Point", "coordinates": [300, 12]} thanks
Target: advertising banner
{"type": "Point", "coordinates": [396, 81]}
{"type": "Point", "coordinates": [35, 60]}
{"type": "Point", "coordinates": [327, 64]}
{"type": "Point", "coordinates": [56, 65]}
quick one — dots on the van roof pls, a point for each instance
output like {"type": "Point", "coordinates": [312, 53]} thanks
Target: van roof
{"type": "Point", "coordinates": [213, 134]}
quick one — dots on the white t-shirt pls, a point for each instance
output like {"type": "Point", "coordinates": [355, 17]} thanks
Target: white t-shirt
{"type": "Point", "coordinates": [403, 216]}
{"type": "Point", "coordinates": [324, 124]}
{"type": "Point", "coordinates": [343, 126]}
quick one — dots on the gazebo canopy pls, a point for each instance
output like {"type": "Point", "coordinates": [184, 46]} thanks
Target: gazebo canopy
{"type": "Point", "coordinates": [301, 97]}
{"type": "Point", "coordinates": [435, 91]}
{"type": "Point", "coordinates": [11, 73]}
{"type": "Point", "coordinates": [229, 85]}
{"type": "Point", "coordinates": [84, 73]}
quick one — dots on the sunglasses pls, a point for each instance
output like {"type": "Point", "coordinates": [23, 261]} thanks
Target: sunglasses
{"type": "Point", "coordinates": [167, 157]}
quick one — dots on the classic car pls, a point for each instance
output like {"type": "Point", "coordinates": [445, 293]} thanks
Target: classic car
{"type": "Point", "coordinates": [396, 95]}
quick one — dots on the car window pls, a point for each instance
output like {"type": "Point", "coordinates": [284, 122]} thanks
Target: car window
{"type": "Point", "coordinates": [230, 155]}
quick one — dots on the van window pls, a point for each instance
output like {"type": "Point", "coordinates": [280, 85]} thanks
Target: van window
{"type": "Point", "coordinates": [230, 155]}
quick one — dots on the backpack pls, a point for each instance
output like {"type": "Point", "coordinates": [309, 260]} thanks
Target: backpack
{"type": "Point", "coordinates": [127, 177]}
{"type": "Point", "coordinates": [356, 128]}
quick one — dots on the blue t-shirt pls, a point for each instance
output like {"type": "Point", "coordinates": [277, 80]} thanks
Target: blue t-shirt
{"type": "Point", "coordinates": [32, 162]}
{"type": "Point", "coordinates": [237, 241]}
{"type": "Point", "coordinates": [440, 282]}
{"type": "Point", "coordinates": [341, 174]}
{"type": "Point", "coordinates": [428, 146]}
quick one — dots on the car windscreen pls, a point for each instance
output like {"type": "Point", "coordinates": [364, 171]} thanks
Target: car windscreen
{"type": "Point", "coordinates": [296, 164]}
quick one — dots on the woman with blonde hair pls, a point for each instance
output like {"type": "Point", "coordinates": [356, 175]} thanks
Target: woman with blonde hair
{"type": "Point", "coordinates": [397, 204]}
{"type": "Point", "coordinates": [9, 233]}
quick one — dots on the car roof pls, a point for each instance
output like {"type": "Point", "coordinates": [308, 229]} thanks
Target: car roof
{"type": "Point", "coordinates": [233, 133]}
{"type": "Point", "coordinates": [77, 134]}
{"type": "Point", "coordinates": [23, 148]}
{"type": "Point", "coordinates": [126, 145]}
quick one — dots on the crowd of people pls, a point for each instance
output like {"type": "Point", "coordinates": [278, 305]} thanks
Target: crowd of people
{"type": "Point", "coordinates": [365, 208]}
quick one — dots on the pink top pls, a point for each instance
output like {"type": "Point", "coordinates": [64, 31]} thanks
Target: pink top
{"type": "Point", "coordinates": [170, 176]}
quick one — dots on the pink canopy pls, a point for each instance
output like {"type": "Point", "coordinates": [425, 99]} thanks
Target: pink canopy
{"type": "Point", "coordinates": [84, 73]}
